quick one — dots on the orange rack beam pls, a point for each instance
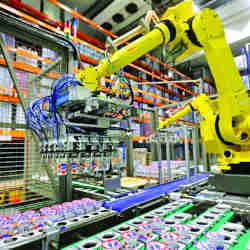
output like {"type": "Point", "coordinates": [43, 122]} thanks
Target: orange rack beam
{"type": "Point", "coordinates": [41, 16]}
{"type": "Point", "coordinates": [8, 98]}
{"type": "Point", "coordinates": [25, 53]}
{"type": "Point", "coordinates": [13, 133]}
{"type": "Point", "coordinates": [29, 68]}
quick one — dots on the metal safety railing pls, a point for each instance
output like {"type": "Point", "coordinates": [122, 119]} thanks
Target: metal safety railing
{"type": "Point", "coordinates": [24, 178]}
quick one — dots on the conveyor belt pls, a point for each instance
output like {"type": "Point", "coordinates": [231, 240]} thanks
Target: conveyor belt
{"type": "Point", "coordinates": [115, 195]}
{"type": "Point", "coordinates": [85, 185]}
{"type": "Point", "coordinates": [151, 193]}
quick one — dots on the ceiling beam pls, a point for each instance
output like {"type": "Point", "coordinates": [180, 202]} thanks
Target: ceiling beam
{"type": "Point", "coordinates": [213, 4]}
{"type": "Point", "coordinates": [95, 9]}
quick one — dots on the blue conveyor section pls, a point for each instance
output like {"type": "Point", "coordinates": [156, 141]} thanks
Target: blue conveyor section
{"type": "Point", "coordinates": [151, 193]}
{"type": "Point", "coordinates": [117, 196]}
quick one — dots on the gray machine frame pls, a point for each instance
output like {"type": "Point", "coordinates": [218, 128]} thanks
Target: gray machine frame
{"type": "Point", "coordinates": [18, 28]}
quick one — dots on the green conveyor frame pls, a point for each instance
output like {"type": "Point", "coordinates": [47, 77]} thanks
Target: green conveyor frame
{"type": "Point", "coordinates": [174, 211]}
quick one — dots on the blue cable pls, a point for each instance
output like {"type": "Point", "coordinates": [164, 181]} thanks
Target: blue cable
{"type": "Point", "coordinates": [60, 84]}
{"type": "Point", "coordinates": [38, 120]}
{"type": "Point", "coordinates": [33, 125]}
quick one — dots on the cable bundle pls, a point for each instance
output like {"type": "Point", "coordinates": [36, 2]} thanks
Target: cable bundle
{"type": "Point", "coordinates": [39, 121]}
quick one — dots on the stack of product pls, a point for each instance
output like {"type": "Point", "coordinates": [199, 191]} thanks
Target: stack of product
{"type": "Point", "coordinates": [22, 223]}
{"type": "Point", "coordinates": [153, 170]}
{"type": "Point", "coordinates": [173, 227]}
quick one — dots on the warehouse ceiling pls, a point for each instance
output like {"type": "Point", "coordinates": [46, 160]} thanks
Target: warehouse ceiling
{"type": "Point", "coordinates": [211, 3]}
{"type": "Point", "coordinates": [121, 16]}
{"type": "Point", "coordinates": [79, 4]}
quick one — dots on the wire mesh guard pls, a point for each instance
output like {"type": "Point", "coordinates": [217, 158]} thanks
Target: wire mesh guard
{"type": "Point", "coordinates": [24, 177]}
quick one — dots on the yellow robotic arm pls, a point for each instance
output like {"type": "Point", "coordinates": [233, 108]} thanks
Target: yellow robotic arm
{"type": "Point", "coordinates": [226, 126]}
{"type": "Point", "coordinates": [170, 31]}
{"type": "Point", "coordinates": [90, 76]}
{"type": "Point", "coordinates": [225, 129]}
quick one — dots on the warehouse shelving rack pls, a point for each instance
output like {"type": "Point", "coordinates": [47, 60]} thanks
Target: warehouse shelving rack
{"type": "Point", "coordinates": [25, 178]}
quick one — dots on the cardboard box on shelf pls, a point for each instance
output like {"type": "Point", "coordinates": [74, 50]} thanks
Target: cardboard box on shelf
{"type": "Point", "coordinates": [149, 158]}
{"type": "Point", "coordinates": [140, 154]}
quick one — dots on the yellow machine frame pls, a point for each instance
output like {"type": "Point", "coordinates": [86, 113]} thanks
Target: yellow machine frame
{"type": "Point", "coordinates": [225, 129]}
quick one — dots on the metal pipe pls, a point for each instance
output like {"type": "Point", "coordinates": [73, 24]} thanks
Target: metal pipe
{"type": "Point", "coordinates": [73, 124]}
{"type": "Point", "coordinates": [172, 105]}
{"type": "Point", "coordinates": [158, 144]}
{"type": "Point", "coordinates": [129, 151]}
{"type": "Point", "coordinates": [129, 35]}
{"type": "Point", "coordinates": [208, 4]}
{"type": "Point", "coordinates": [174, 129]}
{"type": "Point", "coordinates": [168, 82]}
{"type": "Point", "coordinates": [103, 170]}
{"type": "Point", "coordinates": [168, 161]}
{"type": "Point", "coordinates": [69, 180]}
{"type": "Point", "coordinates": [98, 117]}
{"type": "Point", "coordinates": [195, 146]}
{"type": "Point", "coordinates": [155, 126]}
{"type": "Point", "coordinates": [187, 163]}
{"type": "Point", "coordinates": [204, 157]}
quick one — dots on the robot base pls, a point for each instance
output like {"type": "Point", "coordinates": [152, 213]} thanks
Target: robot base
{"type": "Point", "coordinates": [231, 183]}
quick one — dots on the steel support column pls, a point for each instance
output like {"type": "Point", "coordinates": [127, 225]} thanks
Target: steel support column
{"type": "Point", "coordinates": [159, 157]}
{"type": "Point", "coordinates": [168, 160]}
{"type": "Point", "coordinates": [187, 160]}
{"type": "Point", "coordinates": [129, 149]}
{"type": "Point", "coordinates": [205, 158]}
{"type": "Point", "coordinates": [155, 126]}
{"type": "Point", "coordinates": [195, 140]}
